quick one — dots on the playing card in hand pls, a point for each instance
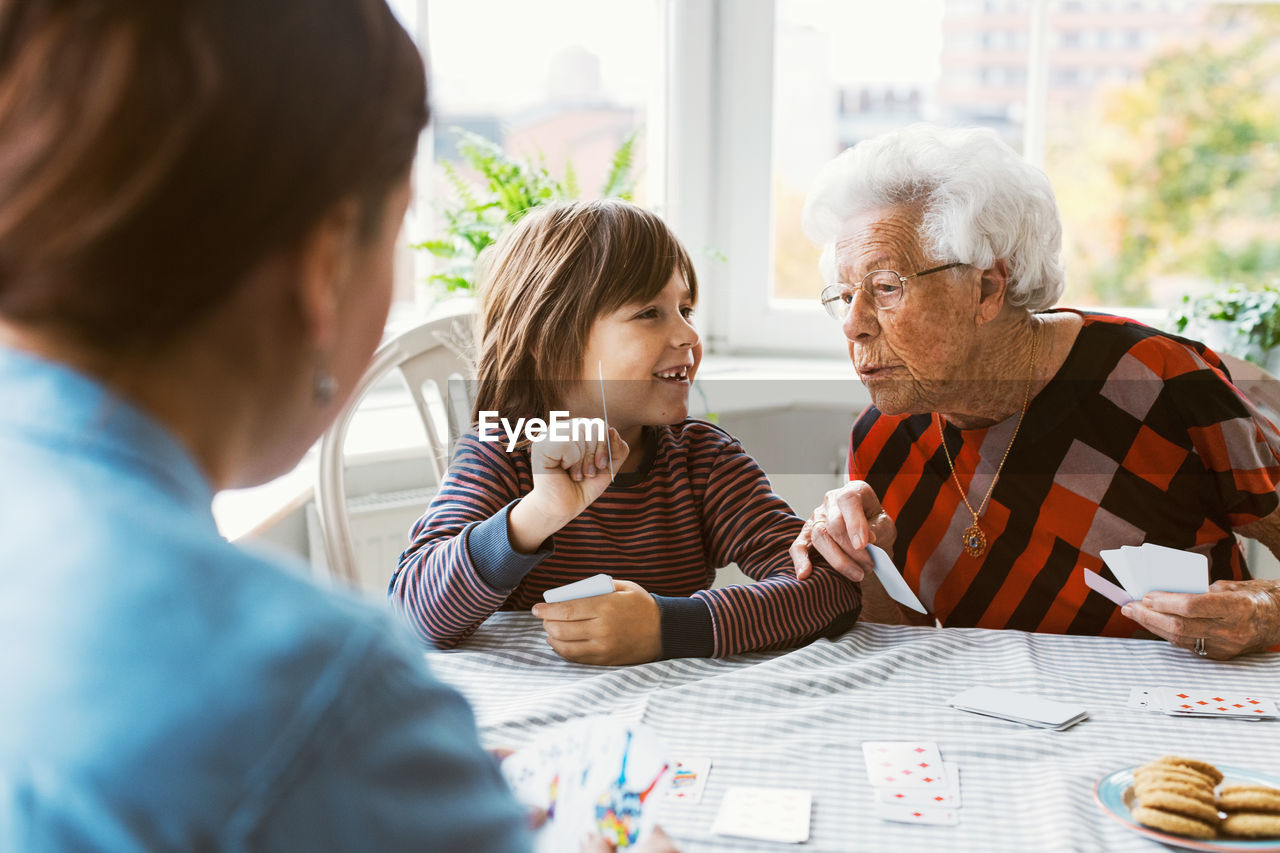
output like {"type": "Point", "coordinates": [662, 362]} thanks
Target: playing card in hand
{"type": "Point", "coordinates": [591, 776]}
{"type": "Point", "coordinates": [1150, 567]}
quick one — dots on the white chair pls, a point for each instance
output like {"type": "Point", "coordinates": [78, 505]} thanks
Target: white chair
{"type": "Point", "coordinates": [430, 358]}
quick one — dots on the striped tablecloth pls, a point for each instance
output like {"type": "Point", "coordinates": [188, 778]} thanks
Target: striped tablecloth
{"type": "Point", "coordinates": [797, 719]}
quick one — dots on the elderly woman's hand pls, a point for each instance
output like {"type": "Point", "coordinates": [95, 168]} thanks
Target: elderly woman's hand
{"type": "Point", "coordinates": [849, 519]}
{"type": "Point", "coordinates": [1232, 618]}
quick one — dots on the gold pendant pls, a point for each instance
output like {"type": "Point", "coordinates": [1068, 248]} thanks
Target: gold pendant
{"type": "Point", "coordinates": [975, 541]}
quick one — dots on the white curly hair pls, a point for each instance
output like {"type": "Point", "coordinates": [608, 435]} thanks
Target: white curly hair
{"type": "Point", "coordinates": [980, 202]}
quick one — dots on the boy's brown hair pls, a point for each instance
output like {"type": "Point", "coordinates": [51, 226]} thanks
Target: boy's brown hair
{"type": "Point", "coordinates": [562, 266]}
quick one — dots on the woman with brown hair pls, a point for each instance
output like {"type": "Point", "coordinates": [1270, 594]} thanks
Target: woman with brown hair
{"type": "Point", "coordinates": [198, 206]}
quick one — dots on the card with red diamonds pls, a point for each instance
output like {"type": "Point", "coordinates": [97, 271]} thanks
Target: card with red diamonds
{"type": "Point", "coordinates": [904, 764]}
{"type": "Point", "coordinates": [1202, 702]}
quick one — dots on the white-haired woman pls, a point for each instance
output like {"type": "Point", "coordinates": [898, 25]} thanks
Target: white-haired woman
{"type": "Point", "coordinates": [1008, 445]}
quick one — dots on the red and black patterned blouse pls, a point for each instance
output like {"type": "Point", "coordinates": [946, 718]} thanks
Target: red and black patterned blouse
{"type": "Point", "coordinates": [1139, 437]}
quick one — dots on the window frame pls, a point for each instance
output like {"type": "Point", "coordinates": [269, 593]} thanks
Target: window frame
{"type": "Point", "coordinates": [709, 153]}
{"type": "Point", "coordinates": [725, 199]}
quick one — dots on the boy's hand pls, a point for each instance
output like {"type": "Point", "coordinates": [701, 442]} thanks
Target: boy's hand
{"type": "Point", "coordinates": [567, 477]}
{"type": "Point", "coordinates": [623, 627]}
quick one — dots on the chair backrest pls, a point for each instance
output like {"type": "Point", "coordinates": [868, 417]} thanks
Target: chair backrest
{"type": "Point", "coordinates": [429, 358]}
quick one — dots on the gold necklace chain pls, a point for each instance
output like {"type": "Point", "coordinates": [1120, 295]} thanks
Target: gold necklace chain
{"type": "Point", "coordinates": [973, 539]}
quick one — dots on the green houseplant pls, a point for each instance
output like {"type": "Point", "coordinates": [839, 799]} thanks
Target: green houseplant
{"type": "Point", "coordinates": [507, 188]}
{"type": "Point", "coordinates": [1242, 321]}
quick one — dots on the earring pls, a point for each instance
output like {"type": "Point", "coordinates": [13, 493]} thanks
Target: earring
{"type": "Point", "coordinates": [323, 386]}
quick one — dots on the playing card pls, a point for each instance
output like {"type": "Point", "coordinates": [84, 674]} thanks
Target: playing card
{"type": "Point", "coordinates": [892, 581]}
{"type": "Point", "coordinates": [1149, 567]}
{"type": "Point", "coordinates": [1118, 561]}
{"type": "Point", "coordinates": [591, 776]}
{"type": "Point", "coordinates": [1174, 570]}
{"type": "Point", "coordinates": [1210, 703]}
{"type": "Point", "coordinates": [770, 814]}
{"type": "Point", "coordinates": [948, 797]}
{"type": "Point", "coordinates": [1019, 707]}
{"type": "Point", "coordinates": [937, 816]}
{"type": "Point", "coordinates": [585, 588]}
{"type": "Point", "coordinates": [1142, 698]}
{"type": "Point", "coordinates": [690, 779]}
{"type": "Point", "coordinates": [1101, 585]}
{"type": "Point", "coordinates": [904, 764]}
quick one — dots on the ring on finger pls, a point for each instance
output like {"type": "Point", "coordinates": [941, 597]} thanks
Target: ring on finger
{"type": "Point", "coordinates": [1199, 647]}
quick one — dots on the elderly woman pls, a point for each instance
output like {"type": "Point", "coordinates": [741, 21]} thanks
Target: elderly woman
{"type": "Point", "coordinates": [1008, 445]}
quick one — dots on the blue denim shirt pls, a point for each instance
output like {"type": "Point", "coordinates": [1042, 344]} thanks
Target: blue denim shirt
{"type": "Point", "coordinates": [163, 689]}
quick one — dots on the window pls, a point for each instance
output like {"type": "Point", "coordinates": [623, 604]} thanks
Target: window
{"type": "Point", "coordinates": [1115, 94]}
{"type": "Point", "coordinates": [1165, 167]}
{"type": "Point", "coordinates": [882, 68]}
{"type": "Point", "coordinates": [739, 102]}
{"type": "Point", "coordinates": [913, 61]}
{"type": "Point", "coordinates": [558, 81]}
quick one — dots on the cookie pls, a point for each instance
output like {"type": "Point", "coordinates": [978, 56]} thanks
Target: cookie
{"type": "Point", "coordinates": [1249, 798]}
{"type": "Point", "coordinates": [1168, 773]}
{"type": "Point", "coordinates": [1202, 767]}
{"type": "Point", "coordinates": [1195, 790]}
{"type": "Point", "coordinates": [1168, 801]}
{"type": "Point", "coordinates": [1175, 823]}
{"type": "Point", "coordinates": [1253, 825]}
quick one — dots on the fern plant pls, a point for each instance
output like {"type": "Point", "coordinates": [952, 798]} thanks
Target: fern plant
{"type": "Point", "coordinates": [477, 214]}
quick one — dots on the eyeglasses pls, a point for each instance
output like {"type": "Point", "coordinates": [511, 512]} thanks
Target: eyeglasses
{"type": "Point", "coordinates": [884, 286]}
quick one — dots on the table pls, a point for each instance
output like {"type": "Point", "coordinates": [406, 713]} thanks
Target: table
{"type": "Point", "coordinates": [798, 719]}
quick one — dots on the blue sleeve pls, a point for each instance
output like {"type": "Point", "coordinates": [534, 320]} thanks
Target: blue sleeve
{"type": "Point", "coordinates": [396, 765]}
{"type": "Point", "coordinates": [493, 557]}
{"type": "Point", "coordinates": [687, 630]}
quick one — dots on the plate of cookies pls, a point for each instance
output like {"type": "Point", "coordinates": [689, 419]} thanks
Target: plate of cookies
{"type": "Point", "coordinates": [1194, 805]}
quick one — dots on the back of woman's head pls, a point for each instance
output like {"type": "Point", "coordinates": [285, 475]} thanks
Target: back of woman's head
{"type": "Point", "coordinates": [154, 152]}
{"type": "Point", "coordinates": [979, 201]}
{"type": "Point", "coordinates": [548, 279]}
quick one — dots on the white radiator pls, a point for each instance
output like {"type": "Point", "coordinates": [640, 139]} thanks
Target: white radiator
{"type": "Point", "coordinates": [380, 525]}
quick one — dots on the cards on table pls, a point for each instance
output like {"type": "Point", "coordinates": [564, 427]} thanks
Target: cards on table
{"type": "Point", "coordinates": [912, 782]}
{"type": "Point", "coordinates": [586, 588]}
{"type": "Point", "coordinates": [948, 795]}
{"type": "Point", "coordinates": [591, 776]}
{"type": "Point", "coordinates": [892, 581]}
{"type": "Point", "coordinates": [904, 764]}
{"type": "Point", "coordinates": [689, 780]}
{"type": "Point", "coordinates": [937, 816]}
{"type": "Point", "coordinates": [1148, 568]}
{"type": "Point", "coordinates": [1202, 702]}
{"type": "Point", "coordinates": [1021, 708]}
{"type": "Point", "coordinates": [769, 814]}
